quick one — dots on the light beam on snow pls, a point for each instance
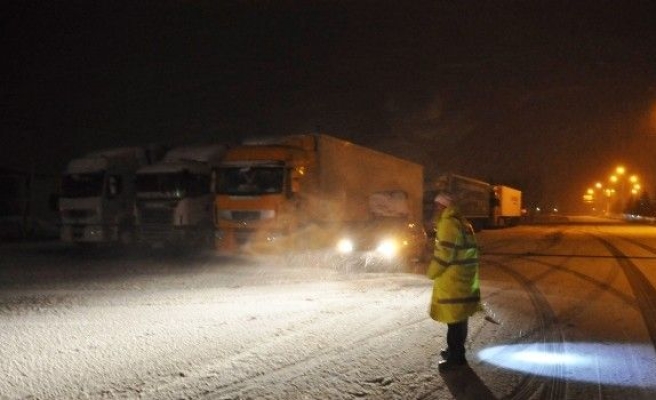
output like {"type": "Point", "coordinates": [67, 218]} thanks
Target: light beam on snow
{"type": "Point", "coordinates": [622, 364]}
{"type": "Point", "coordinates": [548, 358]}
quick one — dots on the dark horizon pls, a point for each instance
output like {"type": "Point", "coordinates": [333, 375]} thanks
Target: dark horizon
{"type": "Point", "coordinates": [546, 97]}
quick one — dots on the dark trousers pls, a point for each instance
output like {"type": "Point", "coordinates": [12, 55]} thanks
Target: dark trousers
{"type": "Point", "coordinates": [456, 335]}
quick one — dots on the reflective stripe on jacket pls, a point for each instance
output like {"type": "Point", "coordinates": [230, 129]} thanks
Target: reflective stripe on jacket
{"type": "Point", "coordinates": [454, 269]}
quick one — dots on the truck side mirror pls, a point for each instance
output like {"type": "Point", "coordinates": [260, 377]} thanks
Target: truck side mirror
{"type": "Point", "coordinates": [113, 185]}
{"type": "Point", "coordinates": [213, 181]}
{"type": "Point", "coordinates": [53, 202]}
{"type": "Point", "coordinates": [294, 185]}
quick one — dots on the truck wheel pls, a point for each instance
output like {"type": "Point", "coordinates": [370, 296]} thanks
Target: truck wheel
{"type": "Point", "coordinates": [126, 236]}
{"type": "Point", "coordinates": [205, 240]}
{"type": "Point", "coordinates": [207, 243]}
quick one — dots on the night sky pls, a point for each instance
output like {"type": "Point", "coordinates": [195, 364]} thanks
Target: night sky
{"type": "Point", "coordinates": [545, 96]}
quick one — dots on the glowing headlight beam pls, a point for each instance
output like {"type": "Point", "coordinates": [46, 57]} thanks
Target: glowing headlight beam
{"type": "Point", "coordinates": [345, 246]}
{"type": "Point", "coordinates": [388, 248]}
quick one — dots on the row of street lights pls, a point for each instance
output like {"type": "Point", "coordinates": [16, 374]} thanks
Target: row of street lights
{"type": "Point", "coordinates": [621, 184]}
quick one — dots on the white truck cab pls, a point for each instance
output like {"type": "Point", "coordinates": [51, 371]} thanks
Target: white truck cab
{"type": "Point", "coordinates": [175, 197]}
{"type": "Point", "coordinates": [98, 196]}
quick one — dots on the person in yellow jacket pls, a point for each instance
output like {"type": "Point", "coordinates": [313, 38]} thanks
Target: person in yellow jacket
{"type": "Point", "coordinates": [454, 271]}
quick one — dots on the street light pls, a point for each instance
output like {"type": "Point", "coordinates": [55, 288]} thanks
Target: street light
{"type": "Point", "coordinates": [599, 187]}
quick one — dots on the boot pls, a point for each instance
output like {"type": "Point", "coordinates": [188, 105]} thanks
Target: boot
{"type": "Point", "coordinates": [451, 365]}
{"type": "Point", "coordinates": [444, 353]}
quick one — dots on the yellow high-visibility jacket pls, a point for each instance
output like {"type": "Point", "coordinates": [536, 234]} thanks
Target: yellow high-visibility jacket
{"type": "Point", "coordinates": [454, 269]}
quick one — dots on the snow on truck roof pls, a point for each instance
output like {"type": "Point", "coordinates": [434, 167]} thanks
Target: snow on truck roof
{"type": "Point", "coordinates": [119, 152]}
{"type": "Point", "coordinates": [190, 158]}
{"type": "Point", "coordinates": [86, 165]}
{"type": "Point", "coordinates": [100, 160]}
{"type": "Point", "coordinates": [171, 167]}
{"type": "Point", "coordinates": [206, 154]}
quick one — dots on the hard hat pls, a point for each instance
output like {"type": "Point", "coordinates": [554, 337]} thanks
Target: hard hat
{"type": "Point", "coordinates": [444, 199]}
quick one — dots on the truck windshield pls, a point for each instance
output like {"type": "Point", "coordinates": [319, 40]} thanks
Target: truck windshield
{"type": "Point", "coordinates": [173, 185]}
{"type": "Point", "coordinates": [250, 181]}
{"type": "Point", "coordinates": [83, 185]}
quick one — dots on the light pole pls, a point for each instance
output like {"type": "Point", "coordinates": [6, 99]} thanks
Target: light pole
{"type": "Point", "coordinates": [589, 197]}
{"type": "Point", "coordinates": [596, 195]}
{"type": "Point", "coordinates": [620, 170]}
{"type": "Point", "coordinates": [608, 193]}
{"type": "Point", "coordinates": [599, 188]}
{"type": "Point", "coordinates": [620, 178]}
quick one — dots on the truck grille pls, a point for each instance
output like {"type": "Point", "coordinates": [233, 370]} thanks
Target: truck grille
{"type": "Point", "coordinates": [156, 216]}
{"type": "Point", "coordinates": [242, 236]}
{"type": "Point", "coordinates": [246, 215]}
{"type": "Point", "coordinates": [156, 233]}
{"type": "Point", "coordinates": [78, 214]}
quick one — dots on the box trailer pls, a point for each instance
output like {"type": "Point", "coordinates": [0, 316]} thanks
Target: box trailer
{"type": "Point", "coordinates": [506, 207]}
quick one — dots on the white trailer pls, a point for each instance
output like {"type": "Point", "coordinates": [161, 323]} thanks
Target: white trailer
{"type": "Point", "coordinates": [98, 195]}
{"type": "Point", "coordinates": [175, 197]}
{"type": "Point", "coordinates": [506, 206]}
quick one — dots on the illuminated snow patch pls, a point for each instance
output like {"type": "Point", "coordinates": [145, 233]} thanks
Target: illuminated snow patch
{"type": "Point", "coordinates": [547, 358]}
{"type": "Point", "coordinates": [611, 363]}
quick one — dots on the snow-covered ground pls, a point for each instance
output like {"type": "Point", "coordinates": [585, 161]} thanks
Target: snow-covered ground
{"type": "Point", "coordinates": [116, 324]}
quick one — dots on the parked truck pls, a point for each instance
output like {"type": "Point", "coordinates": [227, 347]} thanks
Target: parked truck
{"type": "Point", "coordinates": [473, 199]}
{"type": "Point", "coordinates": [97, 197]}
{"type": "Point", "coordinates": [301, 191]}
{"type": "Point", "coordinates": [506, 206]}
{"type": "Point", "coordinates": [483, 204]}
{"type": "Point", "coordinates": [175, 200]}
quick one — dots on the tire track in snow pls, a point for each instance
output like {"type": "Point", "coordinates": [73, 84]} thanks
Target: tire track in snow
{"type": "Point", "coordinates": [644, 292]}
{"type": "Point", "coordinates": [549, 334]}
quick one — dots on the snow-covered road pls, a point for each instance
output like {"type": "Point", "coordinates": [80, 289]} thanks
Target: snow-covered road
{"type": "Point", "coordinates": [115, 324]}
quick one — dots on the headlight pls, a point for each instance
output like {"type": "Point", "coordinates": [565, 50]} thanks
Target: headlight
{"type": "Point", "coordinates": [388, 248]}
{"type": "Point", "coordinates": [273, 236]}
{"type": "Point", "coordinates": [224, 214]}
{"type": "Point", "coordinates": [345, 246]}
{"type": "Point", "coordinates": [267, 214]}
